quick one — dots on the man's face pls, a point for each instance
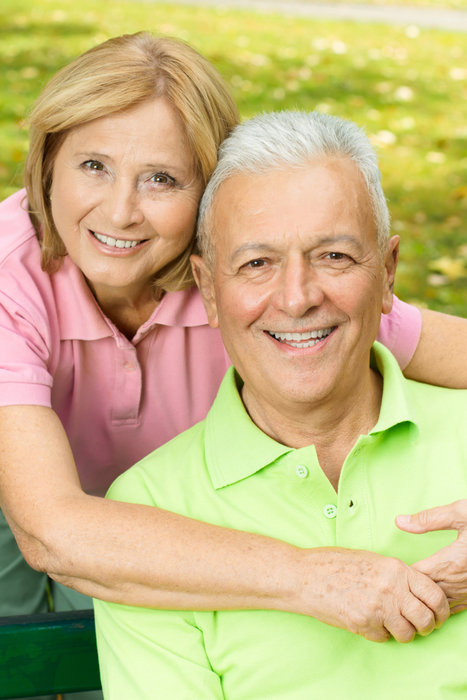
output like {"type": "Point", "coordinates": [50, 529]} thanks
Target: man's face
{"type": "Point", "coordinates": [298, 284]}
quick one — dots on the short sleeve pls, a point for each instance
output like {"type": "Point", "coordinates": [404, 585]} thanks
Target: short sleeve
{"type": "Point", "coordinates": [24, 356]}
{"type": "Point", "coordinates": [149, 654]}
{"type": "Point", "coordinates": [400, 331]}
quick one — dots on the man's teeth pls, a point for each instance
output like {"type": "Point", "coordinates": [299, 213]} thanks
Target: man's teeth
{"type": "Point", "coordinates": [115, 242]}
{"type": "Point", "coordinates": [302, 340]}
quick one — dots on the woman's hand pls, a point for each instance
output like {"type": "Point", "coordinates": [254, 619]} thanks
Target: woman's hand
{"type": "Point", "coordinates": [448, 566]}
{"type": "Point", "coordinates": [371, 595]}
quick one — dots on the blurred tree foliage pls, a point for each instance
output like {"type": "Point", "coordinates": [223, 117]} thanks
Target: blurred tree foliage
{"type": "Point", "coordinates": [405, 85]}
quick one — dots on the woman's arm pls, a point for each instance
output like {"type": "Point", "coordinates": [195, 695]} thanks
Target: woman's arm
{"type": "Point", "coordinates": [145, 556]}
{"type": "Point", "coordinates": [120, 551]}
{"type": "Point", "coordinates": [441, 354]}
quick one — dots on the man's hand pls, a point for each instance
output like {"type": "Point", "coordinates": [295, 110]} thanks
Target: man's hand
{"type": "Point", "coordinates": [373, 595]}
{"type": "Point", "coordinates": [448, 567]}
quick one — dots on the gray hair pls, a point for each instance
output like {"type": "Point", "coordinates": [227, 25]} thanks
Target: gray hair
{"type": "Point", "coordinates": [292, 139]}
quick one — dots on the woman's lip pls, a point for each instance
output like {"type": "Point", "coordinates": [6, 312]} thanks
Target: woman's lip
{"type": "Point", "coordinates": [114, 242]}
{"type": "Point", "coordinates": [114, 249]}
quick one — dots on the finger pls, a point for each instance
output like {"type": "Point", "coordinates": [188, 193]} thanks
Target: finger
{"type": "Point", "coordinates": [439, 518]}
{"type": "Point", "coordinates": [458, 608]}
{"type": "Point", "coordinates": [401, 629]}
{"type": "Point", "coordinates": [419, 616]}
{"type": "Point", "coordinates": [431, 596]}
{"type": "Point", "coordinates": [437, 566]}
{"type": "Point", "coordinates": [377, 635]}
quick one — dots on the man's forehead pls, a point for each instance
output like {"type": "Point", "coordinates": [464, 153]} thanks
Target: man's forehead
{"type": "Point", "coordinates": [327, 197]}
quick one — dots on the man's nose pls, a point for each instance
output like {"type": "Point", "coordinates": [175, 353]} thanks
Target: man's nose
{"type": "Point", "coordinates": [299, 288]}
{"type": "Point", "coordinates": [123, 205]}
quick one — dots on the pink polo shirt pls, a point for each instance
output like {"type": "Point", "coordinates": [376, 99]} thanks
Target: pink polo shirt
{"type": "Point", "coordinates": [117, 399]}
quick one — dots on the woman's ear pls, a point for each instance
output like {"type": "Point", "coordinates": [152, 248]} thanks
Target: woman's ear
{"type": "Point", "coordinates": [390, 264]}
{"type": "Point", "coordinates": [203, 278]}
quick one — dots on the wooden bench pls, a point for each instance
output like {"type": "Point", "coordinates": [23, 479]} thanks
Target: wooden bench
{"type": "Point", "coordinates": [49, 653]}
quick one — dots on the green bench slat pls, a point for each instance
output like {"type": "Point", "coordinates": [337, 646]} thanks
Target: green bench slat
{"type": "Point", "coordinates": [49, 653]}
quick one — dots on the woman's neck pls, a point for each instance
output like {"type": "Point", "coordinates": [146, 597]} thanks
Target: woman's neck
{"type": "Point", "coordinates": [128, 311]}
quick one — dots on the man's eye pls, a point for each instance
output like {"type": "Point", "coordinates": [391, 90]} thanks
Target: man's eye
{"type": "Point", "coordinates": [162, 179]}
{"type": "Point", "coordinates": [338, 257]}
{"type": "Point", "coordinates": [255, 264]}
{"type": "Point", "coordinates": [93, 165]}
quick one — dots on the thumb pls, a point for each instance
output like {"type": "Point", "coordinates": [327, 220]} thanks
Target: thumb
{"type": "Point", "coordinates": [439, 518]}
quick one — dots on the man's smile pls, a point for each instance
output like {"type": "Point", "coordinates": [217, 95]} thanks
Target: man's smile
{"type": "Point", "coordinates": [302, 340]}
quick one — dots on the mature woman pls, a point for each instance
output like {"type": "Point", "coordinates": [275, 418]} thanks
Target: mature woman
{"type": "Point", "coordinates": [105, 351]}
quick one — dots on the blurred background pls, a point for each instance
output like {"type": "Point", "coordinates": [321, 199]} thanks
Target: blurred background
{"type": "Point", "coordinates": [405, 84]}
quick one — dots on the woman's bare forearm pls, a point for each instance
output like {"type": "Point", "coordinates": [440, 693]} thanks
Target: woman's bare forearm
{"type": "Point", "coordinates": [141, 555]}
{"type": "Point", "coordinates": [441, 354]}
{"type": "Point", "coordinates": [120, 551]}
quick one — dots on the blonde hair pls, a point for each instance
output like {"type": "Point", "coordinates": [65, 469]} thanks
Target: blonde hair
{"type": "Point", "coordinates": [111, 77]}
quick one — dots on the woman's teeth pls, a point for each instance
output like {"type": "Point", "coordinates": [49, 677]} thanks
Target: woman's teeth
{"type": "Point", "coordinates": [302, 340]}
{"type": "Point", "coordinates": [114, 242]}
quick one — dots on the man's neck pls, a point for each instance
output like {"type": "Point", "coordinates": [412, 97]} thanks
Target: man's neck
{"type": "Point", "coordinates": [332, 426]}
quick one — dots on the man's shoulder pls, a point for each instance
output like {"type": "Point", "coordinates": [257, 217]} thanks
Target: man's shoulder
{"type": "Point", "coordinates": [167, 470]}
{"type": "Point", "coordinates": [438, 405]}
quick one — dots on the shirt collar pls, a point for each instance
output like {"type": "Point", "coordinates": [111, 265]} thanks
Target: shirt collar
{"type": "Point", "coordinates": [236, 448]}
{"type": "Point", "coordinates": [396, 405]}
{"type": "Point", "coordinates": [80, 317]}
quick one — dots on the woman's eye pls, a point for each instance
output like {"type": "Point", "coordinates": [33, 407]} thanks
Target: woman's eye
{"type": "Point", "coordinates": [93, 165]}
{"type": "Point", "coordinates": [162, 179]}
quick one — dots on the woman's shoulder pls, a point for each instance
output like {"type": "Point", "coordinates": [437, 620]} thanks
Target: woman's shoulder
{"type": "Point", "coordinates": [16, 229]}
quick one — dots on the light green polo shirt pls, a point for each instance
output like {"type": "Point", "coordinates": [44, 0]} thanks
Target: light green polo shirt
{"type": "Point", "coordinates": [226, 471]}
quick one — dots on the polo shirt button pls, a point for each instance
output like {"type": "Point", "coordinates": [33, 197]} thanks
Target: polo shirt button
{"type": "Point", "coordinates": [129, 367]}
{"type": "Point", "coordinates": [301, 471]}
{"type": "Point", "coordinates": [330, 511]}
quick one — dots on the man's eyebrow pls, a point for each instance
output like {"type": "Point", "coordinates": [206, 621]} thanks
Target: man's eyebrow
{"type": "Point", "coordinates": [263, 248]}
{"type": "Point", "coordinates": [340, 238]}
{"type": "Point", "coordinates": [258, 248]}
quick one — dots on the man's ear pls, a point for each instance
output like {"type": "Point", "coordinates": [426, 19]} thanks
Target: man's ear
{"type": "Point", "coordinates": [203, 278]}
{"type": "Point", "coordinates": [390, 264]}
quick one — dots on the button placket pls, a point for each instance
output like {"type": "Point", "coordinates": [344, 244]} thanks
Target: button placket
{"type": "Point", "coordinates": [128, 385]}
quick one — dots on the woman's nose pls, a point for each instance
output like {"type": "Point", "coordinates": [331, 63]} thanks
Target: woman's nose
{"type": "Point", "coordinates": [123, 205]}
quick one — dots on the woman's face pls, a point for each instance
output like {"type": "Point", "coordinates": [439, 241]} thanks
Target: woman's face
{"type": "Point", "coordinates": [124, 197]}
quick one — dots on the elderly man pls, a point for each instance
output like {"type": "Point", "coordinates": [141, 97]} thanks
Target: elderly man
{"type": "Point", "coordinates": [315, 438]}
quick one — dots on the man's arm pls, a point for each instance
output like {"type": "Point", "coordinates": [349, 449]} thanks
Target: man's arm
{"type": "Point", "coordinates": [441, 354]}
{"type": "Point", "coordinates": [152, 654]}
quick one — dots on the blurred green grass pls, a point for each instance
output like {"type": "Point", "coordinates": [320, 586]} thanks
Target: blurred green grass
{"type": "Point", "coordinates": [405, 85]}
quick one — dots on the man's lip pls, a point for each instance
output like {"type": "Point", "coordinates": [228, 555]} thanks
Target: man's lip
{"type": "Point", "coordinates": [298, 335]}
{"type": "Point", "coordinates": [301, 340]}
